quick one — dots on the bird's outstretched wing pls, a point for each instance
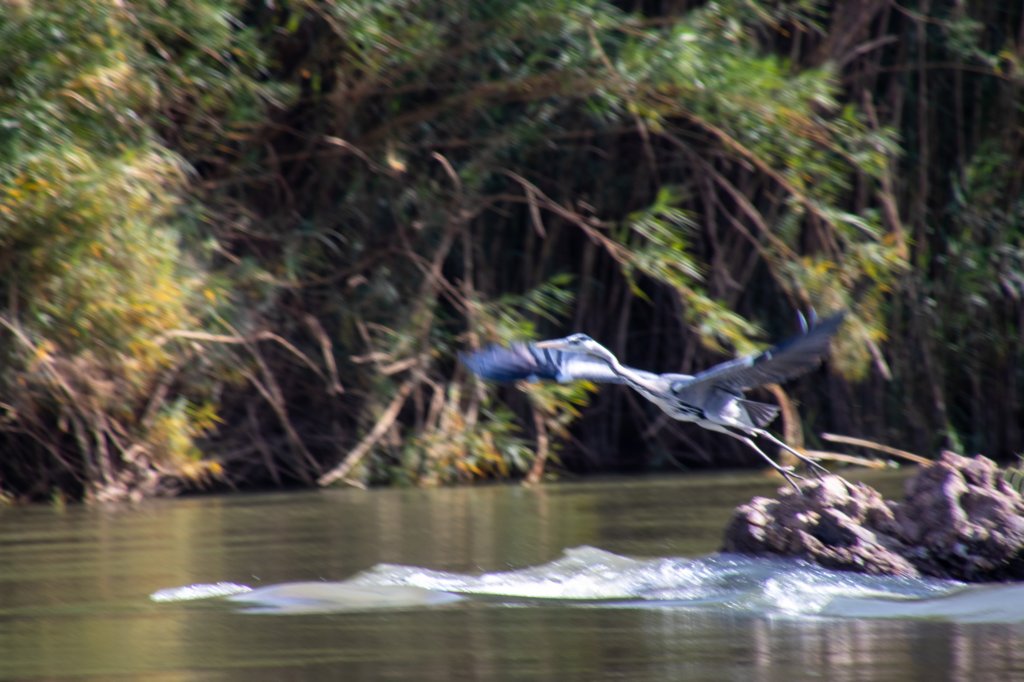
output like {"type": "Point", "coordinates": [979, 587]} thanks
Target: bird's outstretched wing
{"type": "Point", "coordinates": [787, 360]}
{"type": "Point", "coordinates": [524, 361]}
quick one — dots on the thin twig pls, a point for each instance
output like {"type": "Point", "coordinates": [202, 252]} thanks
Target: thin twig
{"type": "Point", "coordinates": [261, 446]}
{"type": "Point", "coordinates": [327, 350]}
{"type": "Point", "coordinates": [164, 338]}
{"type": "Point", "coordinates": [271, 392]}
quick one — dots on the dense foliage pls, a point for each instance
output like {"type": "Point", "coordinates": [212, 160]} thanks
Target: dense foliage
{"type": "Point", "coordinates": [244, 241]}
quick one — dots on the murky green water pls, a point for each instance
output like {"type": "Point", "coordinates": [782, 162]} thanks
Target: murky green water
{"type": "Point", "coordinates": [581, 581]}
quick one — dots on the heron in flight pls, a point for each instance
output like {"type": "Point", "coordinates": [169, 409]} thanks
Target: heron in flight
{"type": "Point", "coordinates": [712, 399]}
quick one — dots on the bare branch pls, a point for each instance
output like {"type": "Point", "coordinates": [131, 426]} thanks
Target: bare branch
{"type": "Point", "coordinates": [376, 433]}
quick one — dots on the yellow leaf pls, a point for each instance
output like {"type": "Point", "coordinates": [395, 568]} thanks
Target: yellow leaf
{"type": "Point", "coordinates": [43, 352]}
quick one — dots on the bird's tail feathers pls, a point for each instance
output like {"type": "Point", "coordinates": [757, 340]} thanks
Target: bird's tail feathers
{"type": "Point", "coordinates": [760, 414]}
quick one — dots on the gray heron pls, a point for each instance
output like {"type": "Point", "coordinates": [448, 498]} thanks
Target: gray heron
{"type": "Point", "coordinates": [713, 399]}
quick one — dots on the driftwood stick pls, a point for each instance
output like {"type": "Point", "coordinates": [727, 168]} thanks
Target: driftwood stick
{"type": "Point", "coordinates": [846, 459]}
{"type": "Point", "coordinates": [861, 442]}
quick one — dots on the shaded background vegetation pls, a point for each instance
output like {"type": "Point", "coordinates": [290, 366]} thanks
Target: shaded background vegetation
{"type": "Point", "coordinates": [243, 241]}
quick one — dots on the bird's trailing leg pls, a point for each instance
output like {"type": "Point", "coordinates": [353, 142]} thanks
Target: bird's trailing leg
{"type": "Point", "coordinates": [787, 472]}
{"type": "Point", "coordinates": [816, 468]}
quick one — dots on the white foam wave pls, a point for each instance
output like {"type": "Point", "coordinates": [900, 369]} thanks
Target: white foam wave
{"type": "Point", "coordinates": [583, 573]}
{"type": "Point", "coordinates": [198, 591]}
{"type": "Point", "coordinates": [590, 576]}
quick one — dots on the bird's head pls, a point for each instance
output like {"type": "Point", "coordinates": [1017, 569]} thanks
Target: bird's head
{"type": "Point", "coordinates": [575, 343]}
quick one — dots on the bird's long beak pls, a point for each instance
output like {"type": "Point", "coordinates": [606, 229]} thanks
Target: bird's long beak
{"type": "Point", "coordinates": [552, 344]}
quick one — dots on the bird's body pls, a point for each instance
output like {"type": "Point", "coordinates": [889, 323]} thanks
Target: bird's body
{"type": "Point", "coordinates": [712, 399]}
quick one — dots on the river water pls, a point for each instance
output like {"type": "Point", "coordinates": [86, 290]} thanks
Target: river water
{"type": "Point", "coordinates": [595, 580]}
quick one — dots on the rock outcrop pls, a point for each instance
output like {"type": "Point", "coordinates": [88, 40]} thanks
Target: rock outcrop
{"type": "Point", "coordinates": [960, 519]}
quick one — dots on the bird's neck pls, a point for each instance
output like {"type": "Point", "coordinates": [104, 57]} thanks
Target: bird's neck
{"type": "Point", "coordinates": [637, 380]}
{"type": "Point", "coordinates": [628, 374]}
{"type": "Point", "coordinates": [613, 362]}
